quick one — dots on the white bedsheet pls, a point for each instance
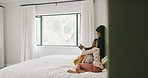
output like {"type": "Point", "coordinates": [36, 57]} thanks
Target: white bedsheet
{"type": "Point", "coordinates": [54, 66]}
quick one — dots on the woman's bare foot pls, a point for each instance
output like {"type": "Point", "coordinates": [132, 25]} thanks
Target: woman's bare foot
{"type": "Point", "coordinates": [71, 71]}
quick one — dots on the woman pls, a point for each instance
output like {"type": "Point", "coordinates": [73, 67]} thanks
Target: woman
{"type": "Point", "coordinates": [95, 66]}
{"type": "Point", "coordinates": [100, 41]}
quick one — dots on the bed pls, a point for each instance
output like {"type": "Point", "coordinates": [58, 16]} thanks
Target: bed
{"type": "Point", "coordinates": [53, 66]}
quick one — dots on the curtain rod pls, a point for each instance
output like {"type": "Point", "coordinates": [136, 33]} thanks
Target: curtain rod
{"type": "Point", "coordinates": [51, 3]}
{"type": "Point", "coordinates": [2, 6]}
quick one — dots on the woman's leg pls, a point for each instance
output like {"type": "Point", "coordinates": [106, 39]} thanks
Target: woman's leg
{"type": "Point", "coordinates": [77, 70]}
{"type": "Point", "coordinates": [83, 67]}
{"type": "Point", "coordinates": [87, 68]}
{"type": "Point", "coordinates": [96, 69]}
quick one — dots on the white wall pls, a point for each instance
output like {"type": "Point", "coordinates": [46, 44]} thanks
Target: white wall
{"type": "Point", "coordinates": [1, 3]}
{"type": "Point", "coordinates": [74, 7]}
{"type": "Point", "coordinates": [1, 37]}
{"type": "Point", "coordinates": [101, 12]}
{"type": "Point", "coordinates": [56, 50]}
{"type": "Point", "coordinates": [12, 33]}
{"type": "Point", "coordinates": [13, 36]}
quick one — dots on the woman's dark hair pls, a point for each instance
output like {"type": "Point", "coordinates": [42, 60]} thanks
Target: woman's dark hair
{"type": "Point", "coordinates": [95, 39]}
{"type": "Point", "coordinates": [101, 29]}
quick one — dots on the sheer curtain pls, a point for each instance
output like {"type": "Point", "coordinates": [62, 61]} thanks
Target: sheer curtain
{"type": "Point", "coordinates": [1, 39]}
{"type": "Point", "coordinates": [87, 22]}
{"type": "Point", "coordinates": [28, 33]}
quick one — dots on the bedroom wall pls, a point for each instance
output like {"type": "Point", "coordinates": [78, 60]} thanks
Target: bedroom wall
{"type": "Point", "coordinates": [13, 33]}
{"type": "Point", "coordinates": [101, 12]}
{"type": "Point", "coordinates": [128, 38]}
{"type": "Point", "coordinates": [0, 2]}
{"type": "Point", "coordinates": [13, 36]}
{"type": "Point", "coordinates": [1, 43]}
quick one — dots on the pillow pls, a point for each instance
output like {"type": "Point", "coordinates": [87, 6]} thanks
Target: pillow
{"type": "Point", "coordinates": [104, 61]}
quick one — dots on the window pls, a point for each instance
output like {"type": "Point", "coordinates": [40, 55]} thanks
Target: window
{"type": "Point", "coordinates": [59, 29]}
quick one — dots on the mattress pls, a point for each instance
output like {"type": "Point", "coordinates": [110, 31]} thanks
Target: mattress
{"type": "Point", "coordinates": [53, 66]}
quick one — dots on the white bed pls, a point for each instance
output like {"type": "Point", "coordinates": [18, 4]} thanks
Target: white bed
{"type": "Point", "coordinates": [53, 66]}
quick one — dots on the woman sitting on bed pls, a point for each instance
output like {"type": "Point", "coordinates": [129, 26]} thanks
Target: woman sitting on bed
{"type": "Point", "coordinates": [94, 66]}
{"type": "Point", "coordinates": [98, 53]}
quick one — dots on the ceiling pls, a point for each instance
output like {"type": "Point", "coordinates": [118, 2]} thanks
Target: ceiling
{"type": "Point", "coordinates": [3, 1]}
{"type": "Point", "coordinates": [9, 0]}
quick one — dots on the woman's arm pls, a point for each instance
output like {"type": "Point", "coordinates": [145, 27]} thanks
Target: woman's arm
{"type": "Point", "coordinates": [90, 51]}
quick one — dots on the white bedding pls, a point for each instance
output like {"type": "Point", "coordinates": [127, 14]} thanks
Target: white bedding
{"type": "Point", "coordinates": [54, 66]}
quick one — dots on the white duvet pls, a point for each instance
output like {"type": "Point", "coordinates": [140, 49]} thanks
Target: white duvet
{"type": "Point", "coordinates": [54, 66]}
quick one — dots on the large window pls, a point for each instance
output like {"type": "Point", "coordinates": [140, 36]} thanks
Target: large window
{"type": "Point", "coordinates": [59, 29]}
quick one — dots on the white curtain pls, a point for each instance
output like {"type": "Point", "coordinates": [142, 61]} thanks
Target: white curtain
{"type": "Point", "coordinates": [1, 39]}
{"type": "Point", "coordinates": [28, 33]}
{"type": "Point", "coordinates": [88, 31]}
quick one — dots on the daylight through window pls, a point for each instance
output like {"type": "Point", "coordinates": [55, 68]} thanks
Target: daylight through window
{"type": "Point", "coordinates": [59, 29]}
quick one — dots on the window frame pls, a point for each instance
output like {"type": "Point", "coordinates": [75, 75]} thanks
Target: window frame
{"type": "Point", "coordinates": [41, 28]}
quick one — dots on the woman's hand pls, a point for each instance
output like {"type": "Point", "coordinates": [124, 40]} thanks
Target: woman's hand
{"type": "Point", "coordinates": [81, 46]}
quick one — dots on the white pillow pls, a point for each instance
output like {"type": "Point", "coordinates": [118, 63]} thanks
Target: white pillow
{"type": "Point", "coordinates": [104, 62]}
